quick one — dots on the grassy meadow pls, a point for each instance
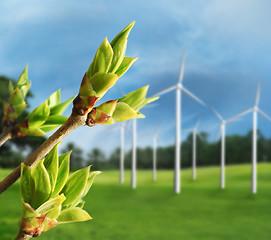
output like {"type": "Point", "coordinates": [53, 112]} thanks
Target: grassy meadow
{"type": "Point", "coordinates": [152, 211]}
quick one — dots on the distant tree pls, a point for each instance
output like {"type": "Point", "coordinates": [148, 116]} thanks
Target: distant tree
{"type": "Point", "coordinates": [97, 159]}
{"type": "Point", "coordinates": [76, 161]}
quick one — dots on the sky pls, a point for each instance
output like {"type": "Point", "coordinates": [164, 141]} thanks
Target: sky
{"type": "Point", "coordinates": [227, 45]}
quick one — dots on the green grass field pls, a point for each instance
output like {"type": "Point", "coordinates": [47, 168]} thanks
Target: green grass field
{"type": "Point", "coordinates": [152, 211]}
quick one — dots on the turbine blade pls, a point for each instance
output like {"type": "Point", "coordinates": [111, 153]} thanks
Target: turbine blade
{"type": "Point", "coordinates": [157, 129]}
{"type": "Point", "coordinates": [257, 99]}
{"type": "Point", "coordinates": [187, 129]}
{"type": "Point", "coordinates": [217, 114]}
{"type": "Point", "coordinates": [218, 133]}
{"type": "Point", "coordinates": [264, 115]}
{"type": "Point", "coordinates": [201, 137]}
{"type": "Point", "coordinates": [182, 68]}
{"type": "Point", "coordinates": [197, 123]}
{"type": "Point", "coordinates": [232, 120]}
{"type": "Point", "coordinates": [193, 96]}
{"type": "Point", "coordinates": [120, 90]}
{"type": "Point", "coordinates": [164, 91]}
{"type": "Point", "coordinates": [241, 113]}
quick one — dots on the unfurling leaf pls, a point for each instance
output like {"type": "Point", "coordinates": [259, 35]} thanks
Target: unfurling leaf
{"type": "Point", "coordinates": [125, 65]}
{"type": "Point", "coordinates": [119, 44]}
{"type": "Point", "coordinates": [75, 185]}
{"type": "Point", "coordinates": [73, 215]}
{"type": "Point", "coordinates": [101, 82]}
{"type": "Point", "coordinates": [63, 173]}
{"type": "Point", "coordinates": [102, 60]}
{"type": "Point", "coordinates": [51, 165]}
{"type": "Point", "coordinates": [54, 98]}
{"type": "Point", "coordinates": [41, 185]}
{"type": "Point", "coordinates": [39, 115]}
{"type": "Point", "coordinates": [51, 204]}
{"type": "Point", "coordinates": [25, 185]}
{"type": "Point", "coordinates": [60, 107]}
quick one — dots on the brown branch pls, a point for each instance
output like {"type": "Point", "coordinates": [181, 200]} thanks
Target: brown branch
{"type": "Point", "coordinates": [22, 236]}
{"type": "Point", "coordinates": [5, 136]}
{"type": "Point", "coordinates": [73, 122]}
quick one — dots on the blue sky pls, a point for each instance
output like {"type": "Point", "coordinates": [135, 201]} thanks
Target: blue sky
{"type": "Point", "coordinates": [227, 44]}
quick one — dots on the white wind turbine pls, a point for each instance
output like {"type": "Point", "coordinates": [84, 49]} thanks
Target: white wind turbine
{"type": "Point", "coordinates": [255, 110]}
{"type": "Point", "coordinates": [123, 127]}
{"type": "Point", "coordinates": [194, 146]}
{"type": "Point", "coordinates": [133, 173]}
{"type": "Point", "coordinates": [154, 151]}
{"type": "Point", "coordinates": [178, 87]}
{"type": "Point", "coordinates": [222, 129]}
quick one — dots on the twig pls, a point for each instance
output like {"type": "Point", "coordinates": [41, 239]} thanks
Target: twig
{"type": "Point", "coordinates": [22, 236]}
{"type": "Point", "coordinates": [73, 122]}
{"type": "Point", "coordinates": [5, 136]}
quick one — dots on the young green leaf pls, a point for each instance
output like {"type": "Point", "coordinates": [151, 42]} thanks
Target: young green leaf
{"type": "Point", "coordinates": [73, 215]}
{"type": "Point", "coordinates": [103, 58]}
{"type": "Point", "coordinates": [63, 172]}
{"type": "Point", "coordinates": [51, 165]}
{"type": "Point", "coordinates": [54, 213]}
{"type": "Point", "coordinates": [125, 65]}
{"type": "Point", "coordinates": [135, 98]}
{"type": "Point", "coordinates": [51, 204]}
{"type": "Point", "coordinates": [119, 44]}
{"type": "Point", "coordinates": [28, 211]}
{"type": "Point", "coordinates": [23, 79]}
{"type": "Point", "coordinates": [75, 185]}
{"type": "Point", "coordinates": [101, 82]}
{"type": "Point", "coordinates": [41, 184]}
{"type": "Point", "coordinates": [26, 192]}
{"type": "Point", "coordinates": [123, 112]}
{"type": "Point", "coordinates": [90, 180]}
{"type": "Point", "coordinates": [39, 115]}
{"type": "Point", "coordinates": [61, 107]}
{"type": "Point", "coordinates": [54, 98]}
{"type": "Point", "coordinates": [33, 131]}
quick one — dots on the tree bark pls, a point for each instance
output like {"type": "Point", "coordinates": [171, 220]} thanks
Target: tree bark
{"type": "Point", "coordinates": [73, 122]}
{"type": "Point", "coordinates": [5, 136]}
{"type": "Point", "coordinates": [22, 236]}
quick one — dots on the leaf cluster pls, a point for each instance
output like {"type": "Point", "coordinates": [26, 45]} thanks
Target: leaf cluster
{"type": "Point", "coordinates": [50, 196]}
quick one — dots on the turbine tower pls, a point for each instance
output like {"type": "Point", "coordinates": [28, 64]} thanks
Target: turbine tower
{"type": "Point", "coordinates": [123, 127]}
{"type": "Point", "coordinates": [194, 146]}
{"type": "Point", "coordinates": [154, 151]}
{"type": "Point", "coordinates": [255, 110]}
{"type": "Point", "coordinates": [133, 173]}
{"type": "Point", "coordinates": [178, 87]}
{"type": "Point", "coordinates": [222, 129]}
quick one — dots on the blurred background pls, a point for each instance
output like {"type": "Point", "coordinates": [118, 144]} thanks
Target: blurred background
{"type": "Point", "coordinates": [227, 46]}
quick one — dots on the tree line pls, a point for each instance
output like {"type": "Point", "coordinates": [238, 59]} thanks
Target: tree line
{"type": "Point", "coordinates": [238, 150]}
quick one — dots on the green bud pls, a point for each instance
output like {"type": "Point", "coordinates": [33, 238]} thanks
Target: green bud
{"type": "Point", "coordinates": [102, 59]}
{"type": "Point", "coordinates": [73, 215]}
{"type": "Point", "coordinates": [43, 206]}
{"type": "Point", "coordinates": [102, 114]}
{"type": "Point", "coordinates": [119, 44]}
{"type": "Point", "coordinates": [16, 105]}
{"type": "Point", "coordinates": [125, 65]}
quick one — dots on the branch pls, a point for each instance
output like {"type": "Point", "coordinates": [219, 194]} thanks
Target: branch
{"type": "Point", "coordinates": [73, 122]}
{"type": "Point", "coordinates": [5, 136]}
{"type": "Point", "coordinates": [22, 236]}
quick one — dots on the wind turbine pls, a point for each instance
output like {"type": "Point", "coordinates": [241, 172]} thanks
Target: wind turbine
{"type": "Point", "coordinates": [123, 127]}
{"type": "Point", "coordinates": [222, 129]}
{"type": "Point", "coordinates": [133, 173]}
{"type": "Point", "coordinates": [194, 146]}
{"type": "Point", "coordinates": [178, 87]}
{"type": "Point", "coordinates": [154, 151]}
{"type": "Point", "coordinates": [255, 110]}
